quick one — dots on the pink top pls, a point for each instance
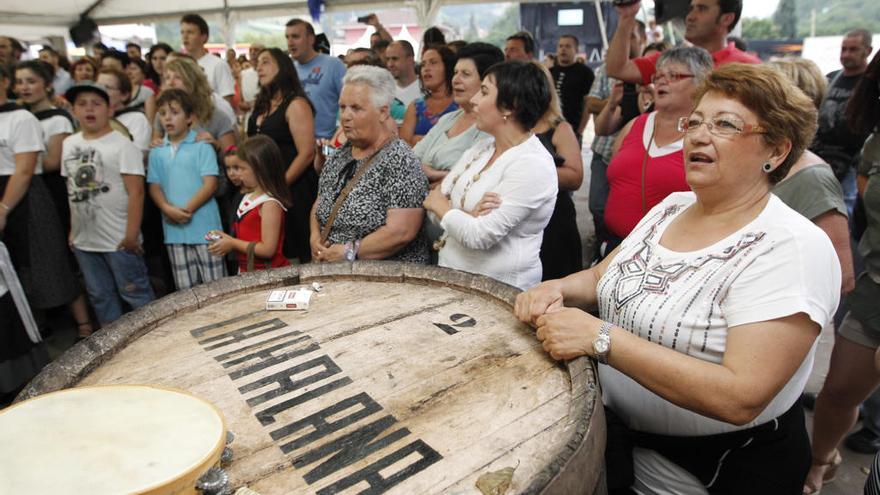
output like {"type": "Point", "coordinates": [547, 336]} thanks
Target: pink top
{"type": "Point", "coordinates": [728, 55]}
{"type": "Point", "coordinates": [664, 174]}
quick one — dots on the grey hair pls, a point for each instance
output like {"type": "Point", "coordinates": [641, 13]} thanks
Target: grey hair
{"type": "Point", "coordinates": [379, 80]}
{"type": "Point", "coordinates": [696, 59]}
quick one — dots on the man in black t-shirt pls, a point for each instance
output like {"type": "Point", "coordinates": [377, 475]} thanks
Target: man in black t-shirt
{"type": "Point", "coordinates": [835, 142]}
{"type": "Point", "coordinates": [573, 81]}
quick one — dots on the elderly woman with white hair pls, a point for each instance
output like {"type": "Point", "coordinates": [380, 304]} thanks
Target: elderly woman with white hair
{"type": "Point", "coordinates": [371, 189]}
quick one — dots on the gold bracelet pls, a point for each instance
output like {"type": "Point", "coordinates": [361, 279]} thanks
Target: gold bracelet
{"type": "Point", "coordinates": [5, 206]}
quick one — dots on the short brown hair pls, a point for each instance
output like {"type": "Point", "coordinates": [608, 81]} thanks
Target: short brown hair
{"type": "Point", "coordinates": [783, 110]}
{"type": "Point", "coordinates": [179, 96]}
{"type": "Point", "coordinates": [806, 75]}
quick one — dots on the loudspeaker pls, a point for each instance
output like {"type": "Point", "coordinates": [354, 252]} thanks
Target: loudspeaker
{"type": "Point", "coordinates": [666, 10]}
{"type": "Point", "coordinates": [83, 32]}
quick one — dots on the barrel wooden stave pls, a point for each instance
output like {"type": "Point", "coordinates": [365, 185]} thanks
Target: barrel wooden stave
{"type": "Point", "coordinates": [260, 458]}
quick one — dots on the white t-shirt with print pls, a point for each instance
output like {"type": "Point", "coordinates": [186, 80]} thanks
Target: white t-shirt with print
{"type": "Point", "coordinates": [20, 132]}
{"type": "Point", "coordinates": [98, 199]}
{"type": "Point", "coordinates": [409, 93]}
{"type": "Point", "coordinates": [778, 265]}
{"type": "Point", "coordinates": [218, 73]}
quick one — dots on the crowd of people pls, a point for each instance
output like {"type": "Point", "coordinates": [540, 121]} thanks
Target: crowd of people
{"type": "Point", "coordinates": [726, 194]}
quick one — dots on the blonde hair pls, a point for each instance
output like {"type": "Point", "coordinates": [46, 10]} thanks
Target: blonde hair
{"type": "Point", "coordinates": [553, 116]}
{"type": "Point", "coordinates": [196, 85]}
{"type": "Point", "coordinates": [804, 74]}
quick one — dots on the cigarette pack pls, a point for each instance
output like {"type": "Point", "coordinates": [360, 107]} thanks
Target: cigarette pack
{"type": "Point", "coordinates": [288, 300]}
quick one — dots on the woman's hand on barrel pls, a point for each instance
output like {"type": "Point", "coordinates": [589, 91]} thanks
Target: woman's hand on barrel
{"type": "Point", "coordinates": [537, 301]}
{"type": "Point", "coordinates": [316, 246]}
{"type": "Point", "coordinates": [567, 333]}
{"type": "Point", "coordinates": [331, 252]}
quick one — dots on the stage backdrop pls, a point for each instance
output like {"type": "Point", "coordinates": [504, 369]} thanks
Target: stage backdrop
{"type": "Point", "coordinates": [548, 21]}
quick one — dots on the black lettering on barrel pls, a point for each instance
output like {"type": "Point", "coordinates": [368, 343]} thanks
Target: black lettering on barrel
{"type": "Point", "coordinates": [267, 358]}
{"type": "Point", "coordinates": [267, 416]}
{"type": "Point", "coordinates": [460, 321]}
{"type": "Point", "coordinates": [198, 332]}
{"type": "Point", "coordinates": [349, 448]}
{"type": "Point", "coordinates": [321, 427]}
{"type": "Point", "coordinates": [241, 334]}
{"type": "Point", "coordinates": [286, 384]}
{"type": "Point", "coordinates": [226, 359]}
{"type": "Point", "coordinates": [380, 484]}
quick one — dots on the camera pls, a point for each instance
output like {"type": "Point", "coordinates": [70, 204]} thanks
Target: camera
{"type": "Point", "coordinates": [362, 19]}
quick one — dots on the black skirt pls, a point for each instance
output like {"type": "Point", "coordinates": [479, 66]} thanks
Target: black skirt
{"type": "Point", "coordinates": [561, 251]}
{"type": "Point", "coordinates": [38, 248]}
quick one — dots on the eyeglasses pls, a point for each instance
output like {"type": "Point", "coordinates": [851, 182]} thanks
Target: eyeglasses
{"type": "Point", "coordinates": [725, 126]}
{"type": "Point", "coordinates": [670, 76]}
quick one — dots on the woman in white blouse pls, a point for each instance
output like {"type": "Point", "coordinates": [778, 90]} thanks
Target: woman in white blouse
{"type": "Point", "coordinates": [503, 244]}
{"type": "Point", "coordinates": [710, 308]}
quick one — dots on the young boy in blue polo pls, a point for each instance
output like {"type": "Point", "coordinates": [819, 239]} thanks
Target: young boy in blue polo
{"type": "Point", "coordinates": [182, 177]}
{"type": "Point", "coordinates": [105, 184]}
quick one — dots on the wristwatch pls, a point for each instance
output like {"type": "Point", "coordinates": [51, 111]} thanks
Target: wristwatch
{"type": "Point", "coordinates": [351, 250]}
{"type": "Point", "coordinates": [602, 344]}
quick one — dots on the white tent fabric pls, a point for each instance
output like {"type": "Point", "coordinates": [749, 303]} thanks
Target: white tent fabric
{"type": "Point", "coordinates": [31, 19]}
{"type": "Point", "coordinates": [67, 12]}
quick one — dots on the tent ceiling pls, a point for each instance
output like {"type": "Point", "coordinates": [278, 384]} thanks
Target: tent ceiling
{"type": "Point", "coordinates": [67, 12]}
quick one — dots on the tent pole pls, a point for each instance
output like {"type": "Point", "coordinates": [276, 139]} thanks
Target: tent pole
{"type": "Point", "coordinates": [601, 19]}
{"type": "Point", "coordinates": [228, 26]}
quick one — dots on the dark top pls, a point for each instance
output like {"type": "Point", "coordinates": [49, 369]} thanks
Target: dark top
{"type": "Point", "coordinates": [275, 127]}
{"type": "Point", "coordinates": [835, 142]}
{"type": "Point", "coordinates": [572, 84]}
{"type": "Point", "coordinates": [561, 253]}
{"type": "Point", "coordinates": [303, 191]}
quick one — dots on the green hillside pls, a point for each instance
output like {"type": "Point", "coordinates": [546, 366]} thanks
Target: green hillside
{"type": "Point", "coordinates": [838, 16]}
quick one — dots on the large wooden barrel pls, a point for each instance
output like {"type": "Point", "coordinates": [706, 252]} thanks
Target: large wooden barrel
{"type": "Point", "coordinates": [399, 378]}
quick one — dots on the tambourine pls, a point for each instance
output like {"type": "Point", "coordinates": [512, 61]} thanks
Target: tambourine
{"type": "Point", "coordinates": [114, 439]}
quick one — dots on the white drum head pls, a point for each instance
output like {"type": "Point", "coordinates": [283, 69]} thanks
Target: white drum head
{"type": "Point", "coordinates": [107, 440]}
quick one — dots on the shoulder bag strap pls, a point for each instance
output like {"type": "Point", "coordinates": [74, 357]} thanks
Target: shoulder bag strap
{"type": "Point", "coordinates": [325, 231]}
{"type": "Point", "coordinates": [250, 256]}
